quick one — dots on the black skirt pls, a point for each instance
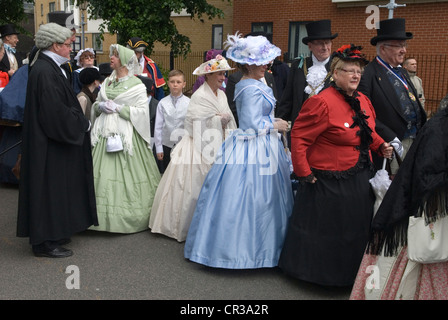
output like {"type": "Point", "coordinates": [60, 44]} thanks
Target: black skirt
{"type": "Point", "coordinates": [329, 229]}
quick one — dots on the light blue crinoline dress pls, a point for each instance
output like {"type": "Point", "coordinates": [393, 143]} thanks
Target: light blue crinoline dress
{"type": "Point", "coordinates": [241, 215]}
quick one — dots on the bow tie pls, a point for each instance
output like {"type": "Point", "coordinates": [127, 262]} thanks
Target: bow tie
{"type": "Point", "coordinates": [10, 49]}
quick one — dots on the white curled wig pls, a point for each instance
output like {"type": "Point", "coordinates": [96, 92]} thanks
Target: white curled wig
{"type": "Point", "coordinates": [51, 33]}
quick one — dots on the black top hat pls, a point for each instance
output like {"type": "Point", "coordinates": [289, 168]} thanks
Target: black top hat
{"type": "Point", "coordinates": [7, 30]}
{"type": "Point", "coordinates": [318, 30]}
{"type": "Point", "coordinates": [105, 70]}
{"type": "Point", "coordinates": [136, 42]}
{"type": "Point", "coordinates": [148, 82]}
{"type": "Point", "coordinates": [63, 19]}
{"type": "Point", "coordinates": [391, 29]}
{"type": "Point", "coordinates": [88, 75]}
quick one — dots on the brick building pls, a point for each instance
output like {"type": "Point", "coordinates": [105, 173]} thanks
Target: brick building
{"type": "Point", "coordinates": [204, 35]}
{"type": "Point", "coordinates": [92, 37]}
{"type": "Point", "coordinates": [286, 19]}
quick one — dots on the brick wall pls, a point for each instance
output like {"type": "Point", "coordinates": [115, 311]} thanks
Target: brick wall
{"type": "Point", "coordinates": [200, 33]}
{"type": "Point", "coordinates": [426, 21]}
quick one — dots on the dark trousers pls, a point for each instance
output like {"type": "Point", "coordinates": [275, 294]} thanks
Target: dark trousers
{"type": "Point", "coordinates": [163, 164]}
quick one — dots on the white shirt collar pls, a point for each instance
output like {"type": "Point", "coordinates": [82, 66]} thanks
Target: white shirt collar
{"type": "Point", "coordinates": [319, 63]}
{"type": "Point", "coordinates": [59, 60]}
{"type": "Point", "coordinates": [55, 57]}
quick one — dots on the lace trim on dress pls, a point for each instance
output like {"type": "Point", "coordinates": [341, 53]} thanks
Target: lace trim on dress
{"type": "Point", "coordinates": [365, 134]}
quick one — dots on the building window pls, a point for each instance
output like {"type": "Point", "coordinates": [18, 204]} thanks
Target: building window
{"type": "Point", "coordinates": [41, 10]}
{"type": "Point", "coordinates": [297, 31]}
{"type": "Point", "coordinates": [52, 7]}
{"type": "Point", "coordinates": [97, 42]}
{"type": "Point", "coordinates": [265, 27]}
{"type": "Point", "coordinates": [217, 36]}
{"type": "Point", "coordinates": [76, 46]}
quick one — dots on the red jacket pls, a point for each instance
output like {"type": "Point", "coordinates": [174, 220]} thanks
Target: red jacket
{"type": "Point", "coordinates": [4, 79]}
{"type": "Point", "coordinates": [322, 138]}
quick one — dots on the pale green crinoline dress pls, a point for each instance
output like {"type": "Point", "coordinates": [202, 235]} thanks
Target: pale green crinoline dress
{"type": "Point", "coordinates": [125, 181]}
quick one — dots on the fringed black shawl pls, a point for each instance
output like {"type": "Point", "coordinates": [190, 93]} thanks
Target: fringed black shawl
{"type": "Point", "coordinates": [421, 184]}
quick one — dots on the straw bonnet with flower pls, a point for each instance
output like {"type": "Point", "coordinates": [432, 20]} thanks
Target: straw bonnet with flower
{"type": "Point", "coordinates": [219, 63]}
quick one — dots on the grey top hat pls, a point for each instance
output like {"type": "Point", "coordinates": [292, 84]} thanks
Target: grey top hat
{"type": "Point", "coordinates": [318, 30]}
{"type": "Point", "coordinates": [391, 29]}
{"type": "Point", "coordinates": [7, 30]}
{"type": "Point", "coordinates": [62, 18]}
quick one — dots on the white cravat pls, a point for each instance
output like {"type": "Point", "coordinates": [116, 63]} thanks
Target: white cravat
{"type": "Point", "coordinates": [12, 60]}
{"type": "Point", "coordinates": [316, 76]}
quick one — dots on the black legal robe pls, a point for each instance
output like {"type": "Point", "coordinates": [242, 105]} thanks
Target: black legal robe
{"type": "Point", "coordinates": [56, 190]}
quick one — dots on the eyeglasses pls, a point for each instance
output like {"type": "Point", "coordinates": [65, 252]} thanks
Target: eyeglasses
{"type": "Point", "coordinates": [403, 45]}
{"type": "Point", "coordinates": [68, 45]}
{"type": "Point", "coordinates": [88, 57]}
{"type": "Point", "coordinates": [352, 72]}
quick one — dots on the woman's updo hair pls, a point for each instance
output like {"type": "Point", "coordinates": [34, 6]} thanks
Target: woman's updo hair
{"type": "Point", "coordinates": [243, 67]}
{"type": "Point", "coordinates": [337, 63]}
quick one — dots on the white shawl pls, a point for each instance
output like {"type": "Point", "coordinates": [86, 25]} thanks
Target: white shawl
{"type": "Point", "coordinates": [109, 124]}
{"type": "Point", "coordinates": [202, 122]}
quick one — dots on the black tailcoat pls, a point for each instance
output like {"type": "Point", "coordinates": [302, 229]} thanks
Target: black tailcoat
{"type": "Point", "coordinates": [294, 95]}
{"type": "Point", "coordinates": [5, 66]}
{"type": "Point", "coordinates": [390, 120]}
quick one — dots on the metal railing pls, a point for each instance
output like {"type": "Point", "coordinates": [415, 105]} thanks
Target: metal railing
{"type": "Point", "coordinates": [193, 60]}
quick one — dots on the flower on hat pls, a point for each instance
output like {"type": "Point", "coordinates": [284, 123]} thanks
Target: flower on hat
{"type": "Point", "coordinates": [219, 63]}
{"type": "Point", "coordinates": [251, 50]}
{"type": "Point", "coordinates": [350, 52]}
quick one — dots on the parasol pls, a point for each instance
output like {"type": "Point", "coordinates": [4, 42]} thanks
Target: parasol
{"type": "Point", "coordinates": [380, 183]}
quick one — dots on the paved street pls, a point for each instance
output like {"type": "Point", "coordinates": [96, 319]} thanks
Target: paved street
{"type": "Point", "coordinates": [131, 267]}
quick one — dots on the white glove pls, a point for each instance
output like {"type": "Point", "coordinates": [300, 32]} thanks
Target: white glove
{"type": "Point", "coordinates": [225, 118]}
{"type": "Point", "coordinates": [105, 107]}
{"type": "Point", "coordinates": [398, 146]}
{"type": "Point", "coordinates": [113, 106]}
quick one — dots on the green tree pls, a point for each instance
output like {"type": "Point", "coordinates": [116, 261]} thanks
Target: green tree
{"type": "Point", "coordinates": [150, 20]}
{"type": "Point", "coordinates": [12, 11]}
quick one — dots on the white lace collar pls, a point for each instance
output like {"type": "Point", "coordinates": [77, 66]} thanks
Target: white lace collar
{"type": "Point", "coordinates": [316, 76]}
